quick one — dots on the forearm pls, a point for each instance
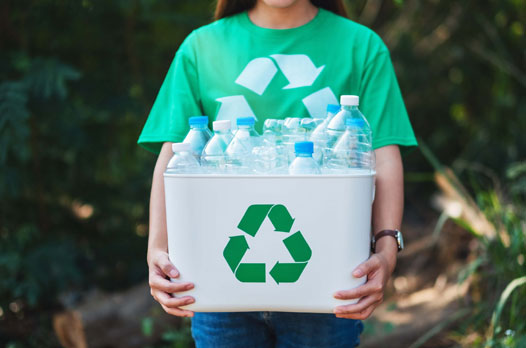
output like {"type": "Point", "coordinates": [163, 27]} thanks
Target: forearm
{"type": "Point", "coordinates": [387, 214]}
{"type": "Point", "coordinates": [157, 239]}
{"type": "Point", "coordinates": [389, 200]}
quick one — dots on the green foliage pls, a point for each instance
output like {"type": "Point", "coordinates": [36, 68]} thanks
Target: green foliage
{"type": "Point", "coordinates": [496, 217]}
{"type": "Point", "coordinates": [13, 123]}
{"type": "Point", "coordinates": [179, 338]}
{"type": "Point", "coordinates": [505, 263]}
{"type": "Point", "coordinates": [462, 74]}
{"type": "Point", "coordinates": [497, 274]}
{"type": "Point", "coordinates": [76, 82]}
{"type": "Point", "coordinates": [171, 337]}
{"type": "Point", "coordinates": [31, 271]}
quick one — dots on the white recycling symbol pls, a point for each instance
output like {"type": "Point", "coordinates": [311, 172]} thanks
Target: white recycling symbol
{"type": "Point", "coordinates": [298, 69]}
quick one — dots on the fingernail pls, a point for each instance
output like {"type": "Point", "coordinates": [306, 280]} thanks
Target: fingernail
{"type": "Point", "coordinates": [174, 273]}
{"type": "Point", "coordinates": [189, 286]}
{"type": "Point", "coordinates": [358, 273]}
{"type": "Point", "coordinates": [337, 295]}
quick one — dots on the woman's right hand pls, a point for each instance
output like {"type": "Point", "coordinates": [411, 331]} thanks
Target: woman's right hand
{"type": "Point", "coordinates": [161, 288]}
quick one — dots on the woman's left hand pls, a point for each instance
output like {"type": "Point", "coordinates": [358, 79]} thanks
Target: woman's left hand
{"type": "Point", "coordinates": [377, 270]}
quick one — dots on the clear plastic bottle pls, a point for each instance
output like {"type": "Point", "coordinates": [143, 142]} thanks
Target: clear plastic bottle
{"type": "Point", "coordinates": [182, 162]}
{"type": "Point", "coordinates": [198, 135]}
{"type": "Point", "coordinates": [321, 129]}
{"type": "Point", "coordinates": [213, 156]}
{"type": "Point", "coordinates": [272, 130]}
{"type": "Point", "coordinates": [336, 126]}
{"type": "Point", "coordinates": [224, 129]}
{"type": "Point", "coordinates": [304, 163]}
{"type": "Point", "coordinates": [319, 135]}
{"type": "Point", "coordinates": [292, 132]}
{"type": "Point", "coordinates": [239, 151]}
{"type": "Point", "coordinates": [270, 157]}
{"type": "Point", "coordinates": [308, 125]}
{"type": "Point", "coordinates": [353, 151]}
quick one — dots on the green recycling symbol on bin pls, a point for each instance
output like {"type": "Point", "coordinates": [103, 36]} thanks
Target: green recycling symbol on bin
{"type": "Point", "coordinates": [282, 221]}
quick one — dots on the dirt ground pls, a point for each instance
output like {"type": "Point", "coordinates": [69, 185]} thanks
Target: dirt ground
{"type": "Point", "coordinates": [423, 297]}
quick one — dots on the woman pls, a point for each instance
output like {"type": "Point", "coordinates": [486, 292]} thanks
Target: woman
{"type": "Point", "coordinates": [269, 58]}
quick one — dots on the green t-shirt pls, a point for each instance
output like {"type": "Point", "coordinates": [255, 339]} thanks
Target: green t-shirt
{"type": "Point", "coordinates": [232, 68]}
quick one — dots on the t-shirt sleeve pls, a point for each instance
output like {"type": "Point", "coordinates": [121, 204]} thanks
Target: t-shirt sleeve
{"type": "Point", "coordinates": [178, 99]}
{"type": "Point", "coordinates": [381, 102]}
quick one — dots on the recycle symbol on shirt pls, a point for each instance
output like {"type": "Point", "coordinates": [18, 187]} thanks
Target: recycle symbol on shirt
{"type": "Point", "coordinates": [298, 69]}
{"type": "Point", "coordinates": [281, 272]}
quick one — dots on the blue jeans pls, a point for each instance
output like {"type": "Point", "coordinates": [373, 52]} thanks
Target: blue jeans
{"type": "Point", "coordinates": [274, 329]}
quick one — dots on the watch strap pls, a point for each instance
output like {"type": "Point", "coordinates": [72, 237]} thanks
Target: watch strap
{"type": "Point", "coordinates": [384, 233]}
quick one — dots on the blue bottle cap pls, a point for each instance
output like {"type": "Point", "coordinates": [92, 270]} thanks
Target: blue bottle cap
{"type": "Point", "coordinates": [246, 121]}
{"type": "Point", "coordinates": [198, 120]}
{"type": "Point", "coordinates": [355, 122]}
{"type": "Point", "coordinates": [304, 147]}
{"type": "Point", "coordinates": [333, 108]}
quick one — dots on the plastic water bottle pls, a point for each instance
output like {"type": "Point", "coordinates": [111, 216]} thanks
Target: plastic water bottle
{"type": "Point", "coordinates": [319, 136]}
{"type": "Point", "coordinates": [272, 130]}
{"type": "Point", "coordinates": [267, 160]}
{"type": "Point", "coordinates": [182, 162]}
{"type": "Point", "coordinates": [223, 128]}
{"type": "Point", "coordinates": [213, 156]}
{"type": "Point", "coordinates": [308, 125]}
{"type": "Point", "coordinates": [336, 126]}
{"type": "Point", "coordinates": [320, 132]}
{"type": "Point", "coordinates": [239, 151]}
{"type": "Point", "coordinates": [198, 135]}
{"type": "Point", "coordinates": [353, 151]}
{"type": "Point", "coordinates": [270, 157]}
{"type": "Point", "coordinates": [304, 163]}
{"type": "Point", "coordinates": [292, 133]}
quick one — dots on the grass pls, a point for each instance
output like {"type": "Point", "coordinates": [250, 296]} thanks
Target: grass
{"type": "Point", "coordinates": [494, 211]}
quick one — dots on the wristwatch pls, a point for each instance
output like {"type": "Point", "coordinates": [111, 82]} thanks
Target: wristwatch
{"type": "Point", "coordinates": [396, 234]}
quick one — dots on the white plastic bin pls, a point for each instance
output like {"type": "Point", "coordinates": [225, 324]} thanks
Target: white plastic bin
{"type": "Point", "coordinates": [215, 242]}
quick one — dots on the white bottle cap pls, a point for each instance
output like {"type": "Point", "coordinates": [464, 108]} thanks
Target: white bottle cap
{"type": "Point", "coordinates": [350, 100]}
{"type": "Point", "coordinates": [222, 125]}
{"type": "Point", "coordinates": [181, 147]}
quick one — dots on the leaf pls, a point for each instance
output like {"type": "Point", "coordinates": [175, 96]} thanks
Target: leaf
{"type": "Point", "coordinates": [147, 326]}
{"type": "Point", "coordinates": [471, 268]}
{"type": "Point", "coordinates": [516, 170]}
{"type": "Point", "coordinates": [47, 78]}
{"type": "Point", "coordinates": [14, 114]}
{"type": "Point", "coordinates": [13, 103]}
{"type": "Point", "coordinates": [515, 283]}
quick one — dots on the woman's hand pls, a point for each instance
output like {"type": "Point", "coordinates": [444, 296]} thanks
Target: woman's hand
{"type": "Point", "coordinates": [378, 270]}
{"type": "Point", "coordinates": [387, 214]}
{"type": "Point", "coordinates": [161, 288]}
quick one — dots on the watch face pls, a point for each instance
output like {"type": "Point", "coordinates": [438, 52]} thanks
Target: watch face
{"type": "Point", "coordinates": [400, 240]}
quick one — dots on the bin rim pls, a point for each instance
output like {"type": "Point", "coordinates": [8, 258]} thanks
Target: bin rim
{"type": "Point", "coordinates": [274, 176]}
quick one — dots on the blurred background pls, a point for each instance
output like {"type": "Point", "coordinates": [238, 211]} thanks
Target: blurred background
{"type": "Point", "coordinates": [77, 80]}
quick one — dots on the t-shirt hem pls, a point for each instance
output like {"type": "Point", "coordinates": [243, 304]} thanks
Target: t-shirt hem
{"type": "Point", "coordinates": [153, 143]}
{"type": "Point", "coordinates": [407, 142]}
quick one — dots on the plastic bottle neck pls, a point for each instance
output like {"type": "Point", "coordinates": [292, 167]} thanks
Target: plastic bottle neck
{"type": "Point", "coordinates": [198, 126]}
{"type": "Point", "coordinates": [350, 107]}
{"type": "Point", "coordinates": [303, 155]}
{"type": "Point", "coordinates": [245, 127]}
